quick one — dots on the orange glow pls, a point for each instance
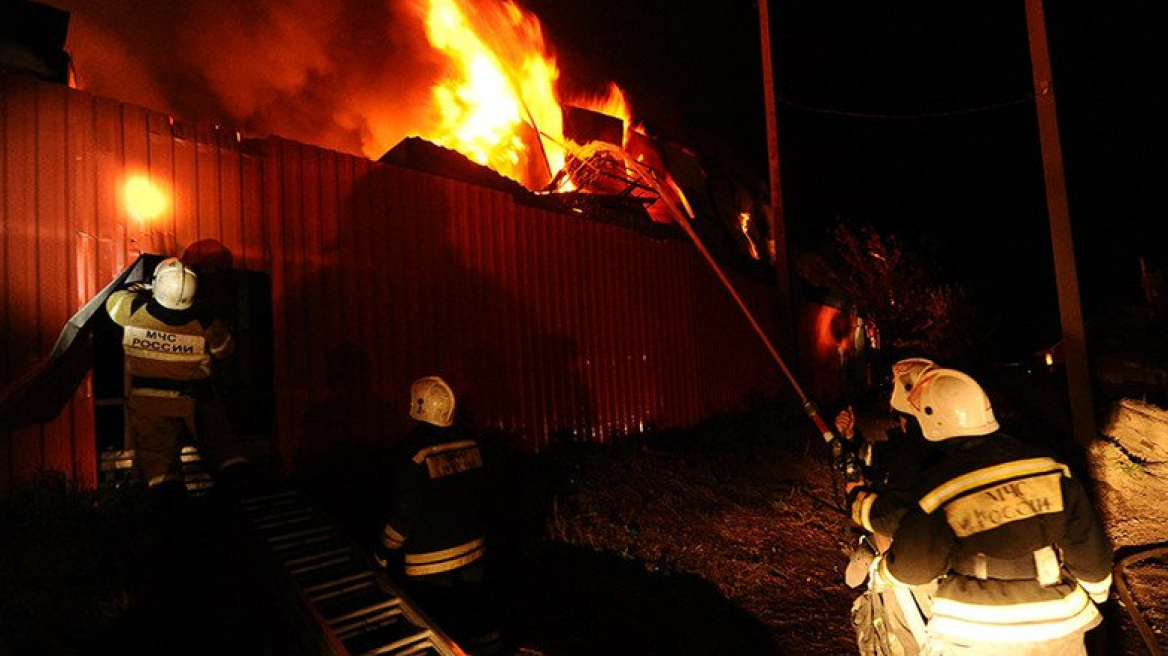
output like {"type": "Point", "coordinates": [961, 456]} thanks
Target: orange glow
{"type": "Point", "coordinates": [144, 200]}
{"type": "Point", "coordinates": [1049, 358]}
{"type": "Point", "coordinates": [744, 220]}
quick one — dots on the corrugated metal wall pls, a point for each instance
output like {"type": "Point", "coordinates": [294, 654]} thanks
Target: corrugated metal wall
{"type": "Point", "coordinates": [545, 323]}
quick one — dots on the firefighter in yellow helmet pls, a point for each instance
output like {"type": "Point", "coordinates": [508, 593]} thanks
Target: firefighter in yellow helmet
{"type": "Point", "coordinates": [169, 348]}
{"type": "Point", "coordinates": [1009, 532]}
{"type": "Point", "coordinates": [435, 531]}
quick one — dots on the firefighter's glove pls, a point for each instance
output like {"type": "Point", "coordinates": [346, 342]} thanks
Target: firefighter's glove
{"type": "Point", "coordinates": [845, 423]}
{"type": "Point", "coordinates": [856, 490]}
{"type": "Point", "coordinates": [859, 502]}
{"type": "Point", "coordinates": [382, 556]}
{"type": "Point", "coordinates": [859, 565]}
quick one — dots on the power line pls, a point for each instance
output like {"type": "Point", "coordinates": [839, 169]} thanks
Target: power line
{"type": "Point", "coordinates": [1024, 100]}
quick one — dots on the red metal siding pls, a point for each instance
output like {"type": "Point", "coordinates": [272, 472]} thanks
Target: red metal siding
{"type": "Point", "coordinates": [546, 323]}
{"type": "Point", "coordinates": [66, 233]}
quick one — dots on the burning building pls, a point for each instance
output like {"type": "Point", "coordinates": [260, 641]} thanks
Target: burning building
{"type": "Point", "coordinates": [547, 281]}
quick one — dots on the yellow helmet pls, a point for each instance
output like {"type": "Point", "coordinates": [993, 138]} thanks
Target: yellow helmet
{"type": "Point", "coordinates": [432, 401]}
{"type": "Point", "coordinates": [905, 375]}
{"type": "Point", "coordinates": [948, 403]}
{"type": "Point", "coordinates": [174, 284]}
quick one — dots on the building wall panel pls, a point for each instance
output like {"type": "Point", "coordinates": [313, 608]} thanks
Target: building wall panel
{"type": "Point", "coordinates": [54, 248]}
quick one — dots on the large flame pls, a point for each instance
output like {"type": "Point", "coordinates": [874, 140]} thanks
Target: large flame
{"type": "Point", "coordinates": [498, 103]}
{"type": "Point", "coordinates": [501, 82]}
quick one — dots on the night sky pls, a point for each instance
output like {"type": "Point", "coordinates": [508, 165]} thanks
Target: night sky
{"type": "Point", "coordinates": [918, 118]}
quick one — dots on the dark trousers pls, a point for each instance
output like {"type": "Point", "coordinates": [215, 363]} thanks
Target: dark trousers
{"type": "Point", "coordinates": [459, 601]}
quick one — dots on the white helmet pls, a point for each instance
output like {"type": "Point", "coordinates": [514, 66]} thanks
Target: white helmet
{"type": "Point", "coordinates": [905, 375]}
{"type": "Point", "coordinates": [432, 401]}
{"type": "Point", "coordinates": [174, 284]}
{"type": "Point", "coordinates": [950, 404]}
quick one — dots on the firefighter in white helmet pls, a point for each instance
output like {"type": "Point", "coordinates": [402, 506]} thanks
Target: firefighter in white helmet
{"type": "Point", "coordinates": [169, 346]}
{"type": "Point", "coordinates": [435, 528]}
{"type": "Point", "coordinates": [878, 503]}
{"type": "Point", "coordinates": [1009, 532]}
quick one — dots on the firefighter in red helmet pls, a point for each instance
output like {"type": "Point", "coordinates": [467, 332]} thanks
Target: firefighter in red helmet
{"type": "Point", "coordinates": [1008, 531]}
{"type": "Point", "coordinates": [435, 531]}
{"type": "Point", "coordinates": [169, 349]}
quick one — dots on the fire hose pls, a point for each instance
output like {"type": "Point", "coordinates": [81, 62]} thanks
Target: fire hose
{"type": "Point", "coordinates": [843, 457]}
{"type": "Point", "coordinates": [1129, 603]}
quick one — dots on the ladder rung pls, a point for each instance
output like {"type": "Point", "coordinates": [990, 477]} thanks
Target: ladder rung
{"type": "Point", "coordinates": [296, 562]}
{"type": "Point", "coordinates": [288, 519]}
{"type": "Point", "coordinates": [260, 500]}
{"type": "Point", "coordinates": [323, 537]}
{"type": "Point", "coordinates": [368, 623]}
{"type": "Point", "coordinates": [372, 608]}
{"type": "Point", "coordinates": [318, 530]}
{"type": "Point", "coordinates": [280, 514]}
{"type": "Point", "coordinates": [321, 565]}
{"type": "Point", "coordinates": [408, 641]}
{"type": "Point", "coordinates": [341, 581]}
{"type": "Point", "coordinates": [336, 593]}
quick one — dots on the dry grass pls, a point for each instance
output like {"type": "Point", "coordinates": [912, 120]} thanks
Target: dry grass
{"type": "Point", "coordinates": [745, 505]}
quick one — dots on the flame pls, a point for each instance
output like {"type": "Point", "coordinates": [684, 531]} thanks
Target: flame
{"type": "Point", "coordinates": [500, 89]}
{"type": "Point", "coordinates": [613, 103]}
{"type": "Point", "coordinates": [498, 103]}
{"type": "Point", "coordinates": [744, 221]}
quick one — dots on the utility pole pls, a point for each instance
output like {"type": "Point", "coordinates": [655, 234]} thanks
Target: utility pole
{"type": "Point", "coordinates": [778, 225]}
{"type": "Point", "coordinates": [1066, 277]}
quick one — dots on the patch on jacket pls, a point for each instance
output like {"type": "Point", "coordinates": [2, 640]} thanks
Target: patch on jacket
{"type": "Point", "coordinates": [447, 459]}
{"type": "Point", "coordinates": [151, 340]}
{"type": "Point", "coordinates": [1005, 503]}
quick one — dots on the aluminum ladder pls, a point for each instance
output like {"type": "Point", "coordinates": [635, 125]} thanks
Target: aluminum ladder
{"type": "Point", "coordinates": [357, 610]}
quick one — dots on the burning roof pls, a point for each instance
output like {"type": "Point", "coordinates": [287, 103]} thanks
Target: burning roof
{"type": "Point", "coordinates": [473, 76]}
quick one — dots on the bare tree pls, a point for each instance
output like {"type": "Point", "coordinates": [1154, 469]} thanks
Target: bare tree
{"type": "Point", "coordinates": [898, 289]}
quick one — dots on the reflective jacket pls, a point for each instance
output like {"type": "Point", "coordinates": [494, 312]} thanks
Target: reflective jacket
{"type": "Point", "coordinates": [890, 493]}
{"type": "Point", "coordinates": [168, 352]}
{"type": "Point", "coordinates": [1020, 552]}
{"type": "Point", "coordinates": [436, 510]}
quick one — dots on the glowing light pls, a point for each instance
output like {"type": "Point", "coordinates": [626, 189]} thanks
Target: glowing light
{"type": "Point", "coordinates": [144, 200]}
{"type": "Point", "coordinates": [744, 220]}
{"type": "Point", "coordinates": [1049, 358]}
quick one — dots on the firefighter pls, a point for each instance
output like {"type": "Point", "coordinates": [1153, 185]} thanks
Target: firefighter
{"type": "Point", "coordinates": [1010, 534]}
{"type": "Point", "coordinates": [169, 348]}
{"type": "Point", "coordinates": [878, 503]}
{"type": "Point", "coordinates": [435, 531]}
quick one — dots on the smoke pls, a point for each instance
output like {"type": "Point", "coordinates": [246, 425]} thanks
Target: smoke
{"type": "Point", "coordinates": [353, 75]}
